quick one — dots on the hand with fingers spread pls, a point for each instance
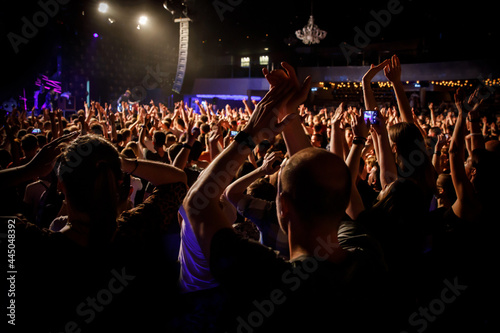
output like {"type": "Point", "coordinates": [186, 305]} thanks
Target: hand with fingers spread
{"type": "Point", "coordinates": [288, 76]}
{"type": "Point", "coordinates": [264, 122]}
{"type": "Point", "coordinates": [293, 133]}
{"type": "Point", "coordinates": [271, 164]}
{"type": "Point", "coordinates": [369, 97]}
{"type": "Point", "coordinates": [338, 116]}
{"type": "Point", "coordinates": [392, 70]}
{"type": "Point", "coordinates": [41, 165]}
{"type": "Point", "coordinates": [374, 70]}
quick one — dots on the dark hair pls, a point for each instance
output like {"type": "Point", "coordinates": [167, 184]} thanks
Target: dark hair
{"type": "Point", "coordinates": [97, 129]}
{"type": "Point", "coordinates": [264, 145]}
{"type": "Point", "coordinates": [180, 121]}
{"type": "Point", "coordinates": [486, 181]}
{"type": "Point", "coordinates": [435, 130]}
{"type": "Point", "coordinates": [126, 133]}
{"type": "Point", "coordinates": [129, 152]}
{"type": "Point", "coordinates": [445, 183]}
{"type": "Point", "coordinates": [411, 156]}
{"type": "Point", "coordinates": [318, 127]}
{"type": "Point", "coordinates": [42, 140]}
{"type": "Point", "coordinates": [262, 189]}
{"type": "Point", "coordinates": [173, 150]}
{"type": "Point", "coordinates": [159, 138]}
{"type": "Point", "coordinates": [244, 169]}
{"type": "Point", "coordinates": [205, 128]}
{"type": "Point", "coordinates": [5, 158]}
{"type": "Point", "coordinates": [29, 142]}
{"type": "Point", "coordinates": [90, 171]}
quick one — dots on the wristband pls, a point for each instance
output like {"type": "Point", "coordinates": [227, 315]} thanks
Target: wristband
{"type": "Point", "coordinates": [358, 140]}
{"type": "Point", "coordinates": [438, 153]}
{"type": "Point", "coordinates": [185, 145]}
{"type": "Point", "coordinates": [245, 139]}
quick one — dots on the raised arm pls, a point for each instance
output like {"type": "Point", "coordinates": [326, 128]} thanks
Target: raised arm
{"type": "Point", "coordinates": [202, 203]}
{"type": "Point", "coordinates": [466, 206]}
{"type": "Point", "coordinates": [41, 165]}
{"type": "Point", "coordinates": [293, 134]}
{"type": "Point", "coordinates": [433, 114]}
{"type": "Point", "coordinates": [337, 134]}
{"type": "Point", "coordinates": [181, 159]}
{"type": "Point", "coordinates": [385, 157]}
{"type": "Point", "coordinates": [360, 132]}
{"type": "Point", "coordinates": [369, 98]}
{"type": "Point", "coordinates": [476, 136]}
{"type": "Point", "coordinates": [157, 173]}
{"type": "Point", "coordinates": [236, 191]}
{"type": "Point", "coordinates": [436, 155]}
{"type": "Point", "coordinates": [112, 123]}
{"type": "Point", "coordinates": [393, 73]}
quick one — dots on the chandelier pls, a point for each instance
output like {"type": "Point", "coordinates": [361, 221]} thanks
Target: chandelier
{"type": "Point", "coordinates": [310, 34]}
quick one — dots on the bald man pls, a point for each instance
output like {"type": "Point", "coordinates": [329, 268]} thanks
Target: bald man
{"type": "Point", "coordinates": [324, 284]}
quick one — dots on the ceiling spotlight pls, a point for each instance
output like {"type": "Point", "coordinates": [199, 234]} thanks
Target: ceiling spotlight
{"type": "Point", "coordinates": [103, 7]}
{"type": "Point", "coordinates": [111, 20]}
{"type": "Point", "coordinates": [95, 35]}
{"type": "Point", "coordinates": [143, 20]}
{"type": "Point", "coordinates": [138, 27]}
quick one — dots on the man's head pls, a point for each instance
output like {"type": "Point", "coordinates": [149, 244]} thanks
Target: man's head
{"type": "Point", "coordinates": [314, 187]}
{"type": "Point", "coordinates": [159, 139]}
{"type": "Point", "coordinates": [317, 140]}
{"type": "Point", "coordinates": [29, 144]}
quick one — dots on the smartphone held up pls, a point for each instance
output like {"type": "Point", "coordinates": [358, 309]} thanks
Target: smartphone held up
{"type": "Point", "coordinates": [371, 117]}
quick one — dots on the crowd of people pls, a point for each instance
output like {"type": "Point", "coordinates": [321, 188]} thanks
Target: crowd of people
{"type": "Point", "coordinates": [264, 218]}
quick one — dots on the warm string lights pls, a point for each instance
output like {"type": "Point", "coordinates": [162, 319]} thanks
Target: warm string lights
{"type": "Point", "coordinates": [453, 84]}
{"type": "Point", "coordinates": [385, 84]}
{"type": "Point", "coordinates": [351, 85]}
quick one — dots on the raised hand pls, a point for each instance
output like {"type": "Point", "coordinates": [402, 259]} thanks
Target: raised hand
{"type": "Point", "coordinates": [288, 76]}
{"type": "Point", "coordinates": [358, 125]}
{"type": "Point", "coordinates": [45, 159]}
{"type": "Point", "coordinates": [380, 124]}
{"type": "Point", "coordinates": [392, 70]}
{"type": "Point", "coordinates": [368, 96]}
{"type": "Point", "coordinates": [271, 164]}
{"type": "Point", "coordinates": [338, 116]}
{"type": "Point", "coordinates": [264, 123]}
{"type": "Point", "coordinates": [374, 70]}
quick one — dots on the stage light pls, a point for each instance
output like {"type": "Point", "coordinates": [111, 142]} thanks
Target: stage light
{"type": "Point", "coordinates": [111, 20]}
{"type": "Point", "coordinates": [103, 7]}
{"type": "Point", "coordinates": [95, 35]}
{"type": "Point", "coordinates": [143, 20]}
